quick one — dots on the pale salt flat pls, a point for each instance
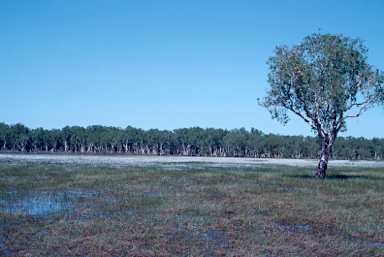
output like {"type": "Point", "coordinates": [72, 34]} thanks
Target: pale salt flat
{"type": "Point", "coordinates": [169, 161]}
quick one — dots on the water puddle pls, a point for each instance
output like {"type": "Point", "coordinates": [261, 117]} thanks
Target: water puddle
{"type": "Point", "coordinates": [40, 204]}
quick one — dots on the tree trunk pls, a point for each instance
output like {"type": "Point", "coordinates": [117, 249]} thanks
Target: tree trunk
{"type": "Point", "coordinates": [326, 149]}
{"type": "Point", "coordinates": [322, 167]}
{"type": "Point", "coordinates": [125, 147]}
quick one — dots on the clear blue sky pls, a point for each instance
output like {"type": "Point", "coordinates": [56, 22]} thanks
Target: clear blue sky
{"type": "Point", "coordinates": [164, 64]}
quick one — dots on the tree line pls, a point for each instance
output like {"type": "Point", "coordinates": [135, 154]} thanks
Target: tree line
{"type": "Point", "coordinates": [193, 141]}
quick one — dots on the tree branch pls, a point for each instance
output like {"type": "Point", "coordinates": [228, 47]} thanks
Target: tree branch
{"type": "Point", "coordinates": [365, 105]}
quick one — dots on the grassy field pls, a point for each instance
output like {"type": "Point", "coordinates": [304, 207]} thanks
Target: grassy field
{"type": "Point", "coordinates": [272, 210]}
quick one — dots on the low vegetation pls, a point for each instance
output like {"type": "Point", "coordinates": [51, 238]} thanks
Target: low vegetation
{"type": "Point", "coordinates": [270, 210]}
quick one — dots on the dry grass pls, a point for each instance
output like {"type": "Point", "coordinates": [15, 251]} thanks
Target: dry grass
{"type": "Point", "coordinates": [148, 211]}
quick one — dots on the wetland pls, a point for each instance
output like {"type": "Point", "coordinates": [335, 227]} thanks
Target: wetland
{"type": "Point", "coordinates": [84, 205]}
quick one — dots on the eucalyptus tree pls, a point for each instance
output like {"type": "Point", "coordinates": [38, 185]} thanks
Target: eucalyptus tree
{"type": "Point", "coordinates": [196, 136]}
{"type": "Point", "coordinates": [153, 141]}
{"type": "Point", "coordinates": [377, 148]}
{"type": "Point", "coordinates": [55, 137]}
{"type": "Point", "coordinates": [65, 138]}
{"type": "Point", "coordinates": [214, 139]}
{"type": "Point", "coordinates": [274, 146]}
{"type": "Point", "coordinates": [209, 142]}
{"type": "Point", "coordinates": [235, 142]}
{"type": "Point", "coordinates": [325, 80]}
{"type": "Point", "coordinates": [255, 143]}
{"type": "Point", "coordinates": [311, 147]}
{"type": "Point", "coordinates": [183, 137]}
{"type": "Point", "coordinates": [20, 135]}
{"type": "Point", "coordinates": [127, 138]}
{"type": "Point", "coordinates": [78, 139]}
{"type": "Point", "coordinates": [38, 140]}
{"type": "Point", "coordinates": [296, 146]}
{"type": "Point", "coordinates": [5, 134]}
{"type": "Point", "coordinates": [112, 136]}
{"type": "Point", "coordinates": [359, 148]}
{"type": "Point", "coordinates": [167, 142]}
{"type": "Point", "coordinates": [93, 133]}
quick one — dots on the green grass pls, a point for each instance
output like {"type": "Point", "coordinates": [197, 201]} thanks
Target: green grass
{"type": "Point", "coordinates": [269, 211]}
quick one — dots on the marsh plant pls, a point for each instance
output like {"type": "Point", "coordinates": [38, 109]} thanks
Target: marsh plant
{"type": "Point", "coordinates": [271, 210]}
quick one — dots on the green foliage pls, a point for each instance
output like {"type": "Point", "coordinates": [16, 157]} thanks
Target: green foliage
{"type": "Point", "coordinates": [324, 80]}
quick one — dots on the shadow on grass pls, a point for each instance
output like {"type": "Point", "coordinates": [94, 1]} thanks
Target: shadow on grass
{"type": "Point", "coordinates": [337, 177]}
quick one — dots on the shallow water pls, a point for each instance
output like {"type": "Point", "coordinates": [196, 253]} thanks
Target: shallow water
{"type": "Point", "coordinates": [40, 204]}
